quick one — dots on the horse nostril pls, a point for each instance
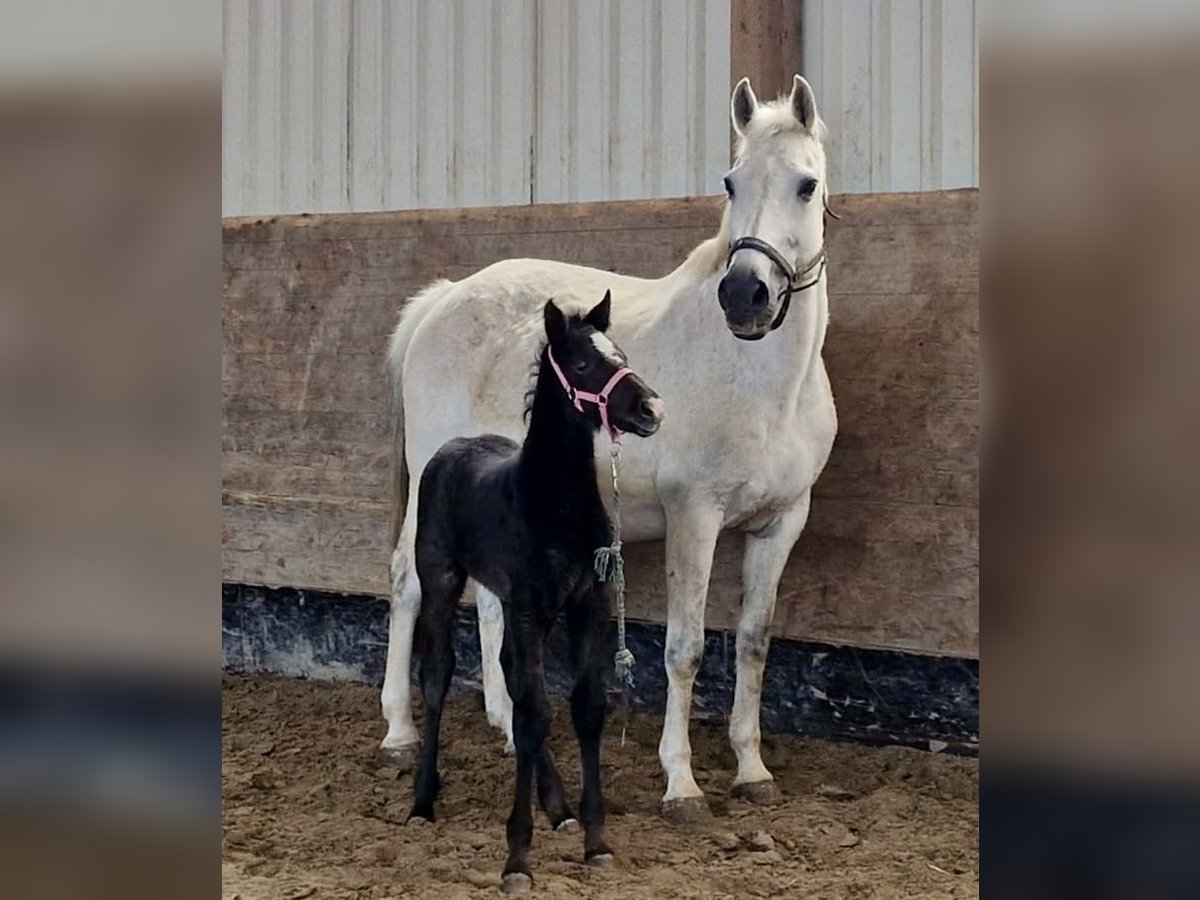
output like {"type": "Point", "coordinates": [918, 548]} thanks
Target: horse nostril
{"type": "Point", "coordinates": [723, 295]}
{"type": "Point", "coordinates": [760, 295]}
{"type": "Point", "coordinates": [653, 408]}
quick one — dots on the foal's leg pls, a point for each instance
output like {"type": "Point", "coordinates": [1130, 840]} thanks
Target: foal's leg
{"type": "Point", "coordinates": [587, 622]}
{"type": "Point", "coordinates": [400, 743]}
{"type": "Point", "coordinates": [765, 556]}
{"type": "Point", "coordinates": [551, 794]}
{"type": "Point", "coordinates": [691, 538]}
{"type": "Point", "coordinates": [522, 657]}
{"type": "Point", "coordinates": [441, 589]}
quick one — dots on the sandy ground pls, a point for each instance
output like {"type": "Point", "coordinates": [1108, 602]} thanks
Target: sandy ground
{"type": "Point", "coordinates": [309, 812]}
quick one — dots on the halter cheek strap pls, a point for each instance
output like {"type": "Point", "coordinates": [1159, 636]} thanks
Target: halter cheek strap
{"type": "Point", "coordinates": [578, 397]}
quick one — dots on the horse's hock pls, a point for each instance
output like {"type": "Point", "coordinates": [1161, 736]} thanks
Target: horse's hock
{"type": "Point", "coordinates": [890, 555]}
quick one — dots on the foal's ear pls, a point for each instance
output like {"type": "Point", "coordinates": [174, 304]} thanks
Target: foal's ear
{"type": "Point", "coordinates": [742, 105]}
{"type": "Point", "coordinates": [556, 322]}
{"type": "Point", "coordinates": [804, 103]}
{"type": "Point", "coordinates": [598, 318]}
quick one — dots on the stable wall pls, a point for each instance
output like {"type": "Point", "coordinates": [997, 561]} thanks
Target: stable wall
{"type": "Point", "coordinates": [890, 555]}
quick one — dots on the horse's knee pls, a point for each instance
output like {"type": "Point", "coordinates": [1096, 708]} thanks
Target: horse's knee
{"type": "Point", "coordinates": [753, 642]}
{"type": "Point", "coordinates": [589, 704]}
{"type": "Point", "coordinates": [400, 566]}
{"type": "Point", "coordinates": [683, 654]}
{"type": "Point", "coordinates": [531, 724]}
{"type": "Point", "coordinates": [406, 591]}
{"type": "Point", "coordinates": [489, 608]}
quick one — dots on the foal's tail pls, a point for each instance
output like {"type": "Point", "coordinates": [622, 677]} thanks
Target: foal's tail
{"type": "Point", "coordinates": [411, 316]}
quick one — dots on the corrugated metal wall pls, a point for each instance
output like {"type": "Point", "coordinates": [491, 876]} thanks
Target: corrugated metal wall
{"type": "Point", "coordinates": [897, 81]}
{"type": "Point", "coordinates": [394, 104]}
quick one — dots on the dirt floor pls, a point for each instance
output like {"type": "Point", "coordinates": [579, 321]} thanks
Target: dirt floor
{"type": "Point", "coordinates": [310, 812]}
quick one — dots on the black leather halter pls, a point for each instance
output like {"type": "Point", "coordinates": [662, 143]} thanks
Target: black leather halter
{"type": "Point", "coordinates": [793, 276]}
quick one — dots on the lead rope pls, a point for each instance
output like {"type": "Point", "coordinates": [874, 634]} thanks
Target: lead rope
{"type": "Point", "coordinates": [610, 568]}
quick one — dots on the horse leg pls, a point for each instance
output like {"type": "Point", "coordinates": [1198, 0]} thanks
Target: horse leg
{"type": "Point", "coordinates": [491, 635]}
{"type": "Point", "coordinates": [691, 539]}
{"type": "Point", "coordinates": [399, 746]}
{"type": "Point", "coordinates": [766, 554]}
{"type": "Point", "coordinates": [441, 590]}
{"type": "Point", "coordinates": [588, 626]}
{"type": "Point", "coordinates": [521, 657]}
{"type": "Point", "coordinates": [552, 795]}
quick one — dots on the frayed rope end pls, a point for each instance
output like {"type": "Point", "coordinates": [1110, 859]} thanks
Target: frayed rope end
{"type": "Point", "coordinates": [610, 568]}
{"type": "Point", "coordinates": [623, 663]}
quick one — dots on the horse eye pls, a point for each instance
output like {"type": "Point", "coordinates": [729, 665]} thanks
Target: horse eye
{"type": "Point", "coordinates": [582, 365]}
{"type": "Point", "coordinates": [807, 187]}
{"type": "Point", "coordinates": [729, 186]}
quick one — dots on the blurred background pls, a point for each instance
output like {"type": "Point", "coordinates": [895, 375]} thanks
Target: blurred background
{"type": "Point", "coordinates": [1091, 498]}
{"type": "Point", "coordinates": [109, 420]}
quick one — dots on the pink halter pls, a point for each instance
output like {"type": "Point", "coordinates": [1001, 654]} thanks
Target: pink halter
{"type": "Point", "coordinates": [601, 399]}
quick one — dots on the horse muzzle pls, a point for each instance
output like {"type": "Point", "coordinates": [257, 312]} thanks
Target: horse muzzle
{"type": "Point", "coordinates": [746, 301]}
{"type": "Point", "coordinates": [648, 417]}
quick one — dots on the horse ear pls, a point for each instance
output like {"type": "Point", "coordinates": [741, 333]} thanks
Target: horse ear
{"type": "Point", "coordinates": [556, 322]}
{"type": "Point", "coordinates": [804, 103]}
{"type": "Point", "coordinates": [742, 105]}
{"type": "Point", "coordinates": [599, 317]}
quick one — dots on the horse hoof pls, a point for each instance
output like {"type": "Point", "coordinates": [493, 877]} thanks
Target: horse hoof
{"type": "Point", "coordinates": [686, 810]}
{"type": "Point", "coordinates": [601, 861]}
{"type": "Point", "coordinates": [510, 749]}
{"type": "Point", "coordinates": [567, 826]}
{"type": "Point", "coordinates": [403, 757]}
{"type": "Point", "coordinates": [760, 793]}
{"type": "Point", "coordinates": [418, 821]}
{"type": "Point", "coordinates": [516, 883]}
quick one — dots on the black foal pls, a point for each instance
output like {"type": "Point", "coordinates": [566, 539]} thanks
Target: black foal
{"type": "Point", "coordinates": [525, 522]}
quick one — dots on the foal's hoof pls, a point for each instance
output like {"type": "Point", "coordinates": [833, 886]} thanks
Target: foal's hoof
{"type": "Point", "coordinates": [418, 821]}
{"type": "Point", "coordinates": [601, 860]}
{"type": "Point", "coordinates": [516, 883]}
{"type": "Point", "coordinates": [403, 757]}
{"type": "Point", "coordinates": [686, 810]}
{"type": "Point", "coordinates": [567, 826]}
{"type": "Point", "coordinates": [760, 793]}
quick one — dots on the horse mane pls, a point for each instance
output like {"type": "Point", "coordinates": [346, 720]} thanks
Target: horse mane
{"type": "Point", "coordinates": [709, 256]}
{"type": "Point", "coordinates": [535, 371]}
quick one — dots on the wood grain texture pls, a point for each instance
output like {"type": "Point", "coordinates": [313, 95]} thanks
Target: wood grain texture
{"type": "Point", "coordinates": [765, 45]}
{"type": "Point", "coordinates": [890, 556]}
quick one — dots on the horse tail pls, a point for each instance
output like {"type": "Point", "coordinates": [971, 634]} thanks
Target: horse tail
{"type": "Point", "coordinates": [411, 316]}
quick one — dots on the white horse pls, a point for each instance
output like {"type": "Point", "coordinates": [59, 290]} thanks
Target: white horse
{"type": "Point", "coordinates": [732, 340]}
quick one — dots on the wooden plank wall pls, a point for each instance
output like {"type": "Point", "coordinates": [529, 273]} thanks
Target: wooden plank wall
{"type": "Point", "coordinates": [890, 556]}
{"type": "Point", "coordinates": [766, 45]}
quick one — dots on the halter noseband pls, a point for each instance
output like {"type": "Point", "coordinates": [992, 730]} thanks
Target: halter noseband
{"type": "Point", "coordinates": [793, 276]}
{"type": "Point", "coordinates": [601, 399]}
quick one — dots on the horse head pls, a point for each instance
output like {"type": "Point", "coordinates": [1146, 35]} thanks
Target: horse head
{"type": "Point", "coordinates": [774, 216]}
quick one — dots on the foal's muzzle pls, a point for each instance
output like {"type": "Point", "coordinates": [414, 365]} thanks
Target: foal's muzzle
{"type": "Point", "coordinates": [648, 416]}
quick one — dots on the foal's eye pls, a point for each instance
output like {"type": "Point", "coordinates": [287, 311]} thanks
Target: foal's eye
{"type": "Point", "coordinates": [581, 366]}
{"type": "Point", "coordinates": [807, 187]}
{"type": "Point", "coordinates": [729, 186]}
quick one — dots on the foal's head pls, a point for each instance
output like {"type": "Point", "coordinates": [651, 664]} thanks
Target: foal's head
{"type": "Point", "coordinates": [776, 190]}
{"type": "Point", "coordinates": [589, 361]}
